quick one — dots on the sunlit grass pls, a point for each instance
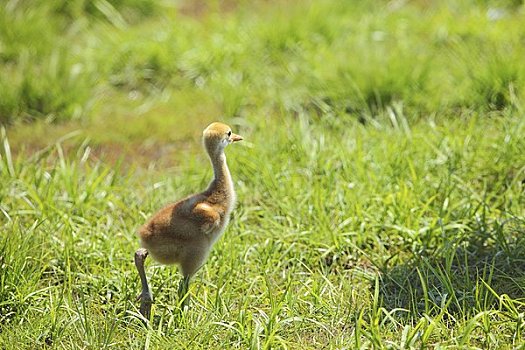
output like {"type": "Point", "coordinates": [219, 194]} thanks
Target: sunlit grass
{"type": "Point", "coordinates": [340, 238]}
{"type": "Point", "coordinates": [380, 183]}
{"type": "Point", "coordinates": [330, 58]}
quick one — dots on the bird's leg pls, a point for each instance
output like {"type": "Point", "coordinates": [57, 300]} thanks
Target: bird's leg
{"type": "Point", "coordinates": [184, 296]}
{"type": "Point", "coordinates": [146, 297]}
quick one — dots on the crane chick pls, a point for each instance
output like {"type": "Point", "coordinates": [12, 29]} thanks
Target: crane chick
{"type": "Point", "coordinates": [183, 233]}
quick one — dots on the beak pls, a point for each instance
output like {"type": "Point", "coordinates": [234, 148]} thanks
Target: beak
{"type": "Point", "coordinates": [235, 137]}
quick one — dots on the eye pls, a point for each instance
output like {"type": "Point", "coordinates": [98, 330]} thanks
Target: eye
{"type": "Point", "coordinates": [230, 133]}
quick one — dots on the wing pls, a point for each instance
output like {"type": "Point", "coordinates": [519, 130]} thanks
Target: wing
{"type": "Point", "coordinates": [206, 217]}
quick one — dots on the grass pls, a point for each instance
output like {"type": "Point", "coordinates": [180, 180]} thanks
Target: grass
{"type": "Point", "coordinates": [380, 184]}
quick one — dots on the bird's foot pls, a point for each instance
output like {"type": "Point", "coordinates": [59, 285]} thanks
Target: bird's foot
{"type": "Point", "coordinates": [184, 295]}
{"type": "Point", "coordinates": [146, 300]}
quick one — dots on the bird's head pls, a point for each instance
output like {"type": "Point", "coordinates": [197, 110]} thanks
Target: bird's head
{"type": "Point", "coordinates": [217, 136]}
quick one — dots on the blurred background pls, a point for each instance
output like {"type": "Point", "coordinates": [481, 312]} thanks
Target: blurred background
{"type": "Point", "coordinates": [380, 182]}
{"type": "Point", "coordinates": [141, 75]}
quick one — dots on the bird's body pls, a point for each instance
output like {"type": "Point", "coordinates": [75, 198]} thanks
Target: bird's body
{"type": "Point", "coordinates": [183, 233]}
{"type": "Point", "coordinates": [198, 220]}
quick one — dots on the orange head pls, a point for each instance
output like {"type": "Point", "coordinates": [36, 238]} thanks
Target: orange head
{"type": "Point", "coordinates": [217, 136]}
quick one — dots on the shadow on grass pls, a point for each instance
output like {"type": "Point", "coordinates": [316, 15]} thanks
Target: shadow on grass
{"type": "Point", "coordinates": [466, 275]}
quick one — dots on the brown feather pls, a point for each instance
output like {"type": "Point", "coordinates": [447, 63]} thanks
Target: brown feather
{"type": "Point", "coordinates": [184, 232]}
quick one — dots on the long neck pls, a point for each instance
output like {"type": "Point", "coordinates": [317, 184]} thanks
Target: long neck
{"type": "Point", "coordinates": [221, 187]}
{"type": "Point", "coordinates": [221, 173]}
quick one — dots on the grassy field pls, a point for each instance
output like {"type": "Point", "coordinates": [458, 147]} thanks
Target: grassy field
{"type": "Point", "coordinates": [381, 183]}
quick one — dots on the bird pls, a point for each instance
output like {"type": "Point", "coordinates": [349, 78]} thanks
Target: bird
{"type": "Point", "coordinates": [184, 232]}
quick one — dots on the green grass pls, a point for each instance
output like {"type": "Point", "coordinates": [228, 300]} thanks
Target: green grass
{"type": "Point", "coordinates": [380, 184]}
{"type": "Point", "coordinates": [339, 239]}
{"type": "Point", "coordinates": [335, 59]}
